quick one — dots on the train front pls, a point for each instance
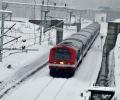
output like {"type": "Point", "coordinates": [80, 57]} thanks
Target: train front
{"type": "Point", "coordinates": [62, 61]}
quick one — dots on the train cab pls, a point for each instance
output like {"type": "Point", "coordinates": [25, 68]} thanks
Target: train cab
{"type": "Point", "coordinates": [62, 60]}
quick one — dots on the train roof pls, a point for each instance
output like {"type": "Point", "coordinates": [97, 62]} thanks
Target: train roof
{"type": "Point", "coordinates": [80, 38]}
{"type": "Point", "coordinates": [94, 25]}
{"type": "Point", "coordinates": [91, 28]}
{"type": "Point", "coordinates": [62, 45]}
{"type": "Point", "coordinates": [83, 33]}
{"type": "Point", "coordinates": [72, 42]}
{"type": "Point", "coordinates": [91, 31]}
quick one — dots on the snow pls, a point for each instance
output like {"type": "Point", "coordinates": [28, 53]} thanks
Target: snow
{"type": "Point", "coordinates": [18, 59]}
{"type": "Point", "coordinates": [43, 87]}
{"type": "Point", "coordinates": [115, 59]}
{"type": "Point", "coordinates": [116, 20]}
{"type": "Point", "coordinates": [117, 67]}
{"type": "Point", "coordinates": [21, 62]}
{"type": "Point", "coordinates": [111, 65]}
{"type": "Point", "coordinates": [40, 85]}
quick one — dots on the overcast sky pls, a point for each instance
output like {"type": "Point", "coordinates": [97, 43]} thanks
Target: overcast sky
{"type": "Point", "coordinates": [93, 3]}
{"type": "Point", "coordinates": [80, 4]}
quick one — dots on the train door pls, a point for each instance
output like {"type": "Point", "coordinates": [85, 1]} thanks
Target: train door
{"type": "Point", "coordinates": [78, 54]}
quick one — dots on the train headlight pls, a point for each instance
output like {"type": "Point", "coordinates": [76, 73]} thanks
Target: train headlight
{"type": "Point", "coordinates": [54, 62]}
{"type": "Point", "coordinates": [62, 63]}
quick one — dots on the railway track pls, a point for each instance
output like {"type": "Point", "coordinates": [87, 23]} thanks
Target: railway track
{"type": "Point", "coordinates": [46, 90]}
{"type": "Point", "coordinates": [50, 82]}
{"type": "Point", "coordinates": [9, 84]}
{"type": "Point", "coordinates": [45, 87]}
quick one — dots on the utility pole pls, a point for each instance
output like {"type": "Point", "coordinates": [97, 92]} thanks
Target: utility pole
{"type": "Point", "coordinates": [3, 13]}
{"type": "Point", "coordinates": [34, 19]}
{"type": "Point", "coordinates": [2, 32]}
{"type": "Point", "coordinates": [40, 39]}
{"type": "Point", "coordinates": [101, 41]}
{"type": "Point", "coordinates": [59, 34]}
{"type": "Point", "coordinates": [78, 24]}
{"type": "Point", "coordinates": [70, 18]}
{"type": "Point", "coordinates": [47, 4]}
{"type": "Point", "coordinates": [46, 12]}
{"type": "Point", "coordinates": [45, 18]}
{"type": "Point", "coordinates": [66, 14]}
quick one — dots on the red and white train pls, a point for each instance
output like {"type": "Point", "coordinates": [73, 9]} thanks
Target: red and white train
{"type": "Point", "coordinates": [65, 56]}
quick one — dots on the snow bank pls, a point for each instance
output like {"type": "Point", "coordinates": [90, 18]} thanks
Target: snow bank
{"type": "Point", "coordinates": [117, 66]}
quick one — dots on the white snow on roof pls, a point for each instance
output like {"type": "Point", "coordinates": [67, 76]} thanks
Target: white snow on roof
{"type": "Point", "coordinates": [116, 21]}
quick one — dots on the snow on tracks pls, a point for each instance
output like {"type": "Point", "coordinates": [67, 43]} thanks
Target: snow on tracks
{"type": "Point", "coordinates": [22, 74]}
{"type": "Point", "coordinates": [52, 89]}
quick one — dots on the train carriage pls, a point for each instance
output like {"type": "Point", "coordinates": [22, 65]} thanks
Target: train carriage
{"type": "Point", "coordinates": [65, 56]}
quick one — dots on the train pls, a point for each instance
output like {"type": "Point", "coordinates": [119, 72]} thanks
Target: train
{"type": "Point", "coordinates": [65, 57]}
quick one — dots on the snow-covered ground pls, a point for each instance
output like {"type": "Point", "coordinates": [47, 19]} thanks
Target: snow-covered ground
{"type": "Point", "coordinates": [39, 86]}
{"type": "Point", "coordinates": [23, 62]}
{"type": "Point", "coordinates": [30, 33]}
{"type": "Point", "coordinates": [18, 58]}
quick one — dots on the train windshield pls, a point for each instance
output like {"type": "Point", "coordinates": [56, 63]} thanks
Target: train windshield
{"type": "Point", "coordinates": [62, 54]}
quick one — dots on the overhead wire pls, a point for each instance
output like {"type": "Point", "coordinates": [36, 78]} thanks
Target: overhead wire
{"type": "Point", "coordinates": [35, 37]}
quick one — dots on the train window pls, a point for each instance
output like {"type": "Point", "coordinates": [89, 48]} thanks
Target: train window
{"type": "Point", "coordinates": [62, 54]}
